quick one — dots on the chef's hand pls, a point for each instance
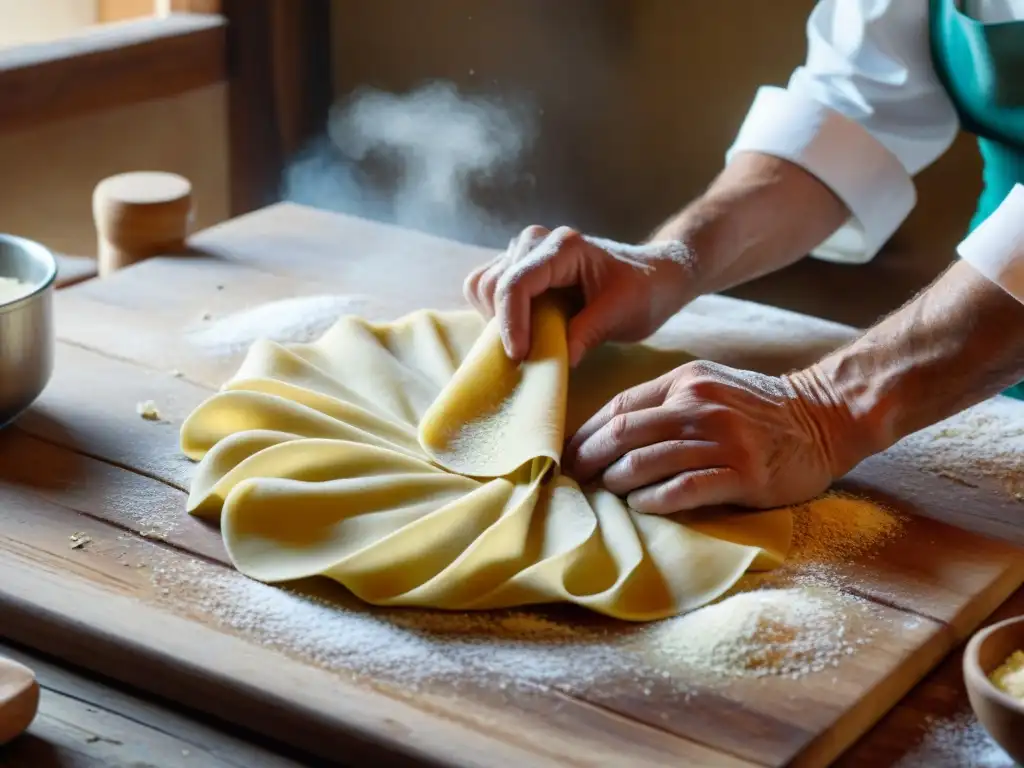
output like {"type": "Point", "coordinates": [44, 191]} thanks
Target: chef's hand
{"type": "Point", "coordinates": [706, 434]}
{"type": "Point", "coordinates": [628, 291]}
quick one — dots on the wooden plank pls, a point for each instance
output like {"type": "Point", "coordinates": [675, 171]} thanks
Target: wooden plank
{"type": "Point", "coordinates": [86, 724]}
{"type": "Point", "coordinates": [108, 66]}
{"type": "Point", "coordinates": [74, 269]}
{"type": "Point", "coordinates": [937, 707]}
{"type": "Point", "coordinates": [187, 315]}
{"type": "Point", "coordinates": [130, 501]}
{"type": "Point", "coordinates": [84, 605]}
{"type": "Point", "coordinates": [784, 721]}
{"type": "Point", "coordinates": [925, 580]}
{"type": "Point", "coordinates": [90, 407]}
{"type": "Point", "coordinates": [942, 580]}
{"type": "Point", "coordinates": [407, 269]}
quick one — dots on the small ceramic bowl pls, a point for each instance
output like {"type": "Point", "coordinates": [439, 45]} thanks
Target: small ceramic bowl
{"type": "Point", "coordinates": [1001, 714]}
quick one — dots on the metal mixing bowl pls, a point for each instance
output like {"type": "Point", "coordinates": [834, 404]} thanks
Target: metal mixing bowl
{"type": "Point", "coordinates": [26, 326]}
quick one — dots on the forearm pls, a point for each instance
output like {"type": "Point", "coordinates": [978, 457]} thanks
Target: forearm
{"type": "Point", "coordinates": [759, 215]}
{"type": "Point", "coordinates": [958, 343]}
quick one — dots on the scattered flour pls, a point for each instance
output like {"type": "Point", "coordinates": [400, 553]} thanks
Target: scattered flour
{"type": "Point", "coordinates": [769, 632]}
{"type": "Point", "coordinates": [791, 632]}
{"type": "Point", "coordinates": [839, 527]}
{"type": "Point", "coordinates": [297, 320]}
{"type": "Point", "coordinates": [986, 441]}
{"type": "Point", "coordinates": [956, 742]}
{"type": "Point", "coordinates": [12, 289]}
{"type": "Point", "coordinates": [828, 534]}
{"type": "Point", "coordinates": [333, 631]}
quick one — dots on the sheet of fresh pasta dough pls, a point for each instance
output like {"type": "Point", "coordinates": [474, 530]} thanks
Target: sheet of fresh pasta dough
{"type": "Point", "coordinates": [415, 464]}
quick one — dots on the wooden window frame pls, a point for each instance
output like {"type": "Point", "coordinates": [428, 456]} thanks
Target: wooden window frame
{"type": "Point", "coordinates": [110, 66]}
{"type": "Point", "coordinates": [274, 54]}
{"type": "Point", "coordinates": [119, 10]}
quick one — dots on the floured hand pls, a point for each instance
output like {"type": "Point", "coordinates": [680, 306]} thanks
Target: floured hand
{"type": "Point", "coordinates": [706, 434]}
{"type": "Point", "coordinates": [628, 291]}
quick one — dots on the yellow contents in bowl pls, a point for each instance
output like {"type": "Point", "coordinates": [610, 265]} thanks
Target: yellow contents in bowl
{"type": "Point", "coordinates": [11, 289]}
{"type": "Point", "coordinates": [1009, 677]}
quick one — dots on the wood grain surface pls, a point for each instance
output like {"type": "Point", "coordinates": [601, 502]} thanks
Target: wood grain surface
{"type": "Point", "coordinates": [86, 722]}
{"type": "Point", "coordinates": [134, 602]}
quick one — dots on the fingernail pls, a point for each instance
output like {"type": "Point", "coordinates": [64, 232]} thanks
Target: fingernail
{"type": "Point", "coordinates": [510, 350]}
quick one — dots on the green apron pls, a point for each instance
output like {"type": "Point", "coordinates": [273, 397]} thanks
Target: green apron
{"type": "Point", "coordinates": [982, 69]}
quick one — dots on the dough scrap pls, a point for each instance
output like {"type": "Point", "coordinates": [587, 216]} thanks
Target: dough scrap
{"type": "Point", "coordinates": [416, 465]}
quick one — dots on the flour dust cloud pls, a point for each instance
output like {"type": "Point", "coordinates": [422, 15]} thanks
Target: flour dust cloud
{"type": "Point", "coordinates": [429, 159]}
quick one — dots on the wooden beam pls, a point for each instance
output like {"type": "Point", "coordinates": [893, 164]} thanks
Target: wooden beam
{"type": "Point", "coordinates": [279, 70]}
{"type": "Point", "coordinates": [110, 66]}
{"type": "Point", "coordinates": [196, 6]}
{"type": "Point", "coordinates": [119, 10]}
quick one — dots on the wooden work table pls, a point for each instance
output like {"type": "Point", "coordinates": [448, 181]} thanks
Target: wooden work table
{"type": "Point", "coordinates": [93, 620]}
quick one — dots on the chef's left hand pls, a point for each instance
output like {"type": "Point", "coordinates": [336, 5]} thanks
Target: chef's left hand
{"type": "Point", "coordinates": [706, 434]}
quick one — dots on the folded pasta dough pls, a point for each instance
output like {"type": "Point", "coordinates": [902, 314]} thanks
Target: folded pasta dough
{"type": "Point", "coordinates": [415, 464]}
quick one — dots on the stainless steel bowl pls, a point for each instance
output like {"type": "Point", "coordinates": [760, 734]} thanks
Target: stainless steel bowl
{"type": "Point", "coordinates": [26, 326]}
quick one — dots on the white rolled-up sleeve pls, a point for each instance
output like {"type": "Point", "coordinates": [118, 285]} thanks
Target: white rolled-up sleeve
{"type": "Point", "coordinates": [863, 114]}
{"type": "Point", "coordinates": [996, 246]}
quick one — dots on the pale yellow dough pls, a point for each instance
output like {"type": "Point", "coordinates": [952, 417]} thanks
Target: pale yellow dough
{"type": "Point", "coordinates": [415, 464]}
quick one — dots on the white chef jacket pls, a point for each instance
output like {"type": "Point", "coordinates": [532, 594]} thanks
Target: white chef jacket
{"type": "Point", "coordinates": [865, 113]}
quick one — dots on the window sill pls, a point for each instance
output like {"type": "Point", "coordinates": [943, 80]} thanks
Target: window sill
{"type": "Point", "coordinates": [110, 66]}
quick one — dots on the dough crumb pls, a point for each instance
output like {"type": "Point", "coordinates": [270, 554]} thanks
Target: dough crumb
{"type": "Point", "coordinates": [148, 410]}
{"type": "Point", "coordinates": [79, 540]}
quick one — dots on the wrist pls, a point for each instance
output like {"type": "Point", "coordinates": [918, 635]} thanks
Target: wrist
{"type": "Point", "coordinates": [698, 229]}
{"type": "Point", "coordinates": [843, 410]}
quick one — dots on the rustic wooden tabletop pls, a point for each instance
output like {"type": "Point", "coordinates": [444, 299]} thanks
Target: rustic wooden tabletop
{"type": "Point", "coordinates": [82, 463]}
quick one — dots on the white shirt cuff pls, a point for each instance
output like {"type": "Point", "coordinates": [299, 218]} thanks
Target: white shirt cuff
{"type": "Point", "coordinates": [996, 246]}
{"type": "Point", "coordinates": [844, 156]}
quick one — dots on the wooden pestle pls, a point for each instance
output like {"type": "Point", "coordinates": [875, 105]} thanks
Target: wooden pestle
{"type": "Point", "coordinates": [19, 699]}
{"type": "Point", "coordinates": [139, 215]}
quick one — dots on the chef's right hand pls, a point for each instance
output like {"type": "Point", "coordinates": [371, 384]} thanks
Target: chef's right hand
{"type": "Point", "coordinates": [628, 291]}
